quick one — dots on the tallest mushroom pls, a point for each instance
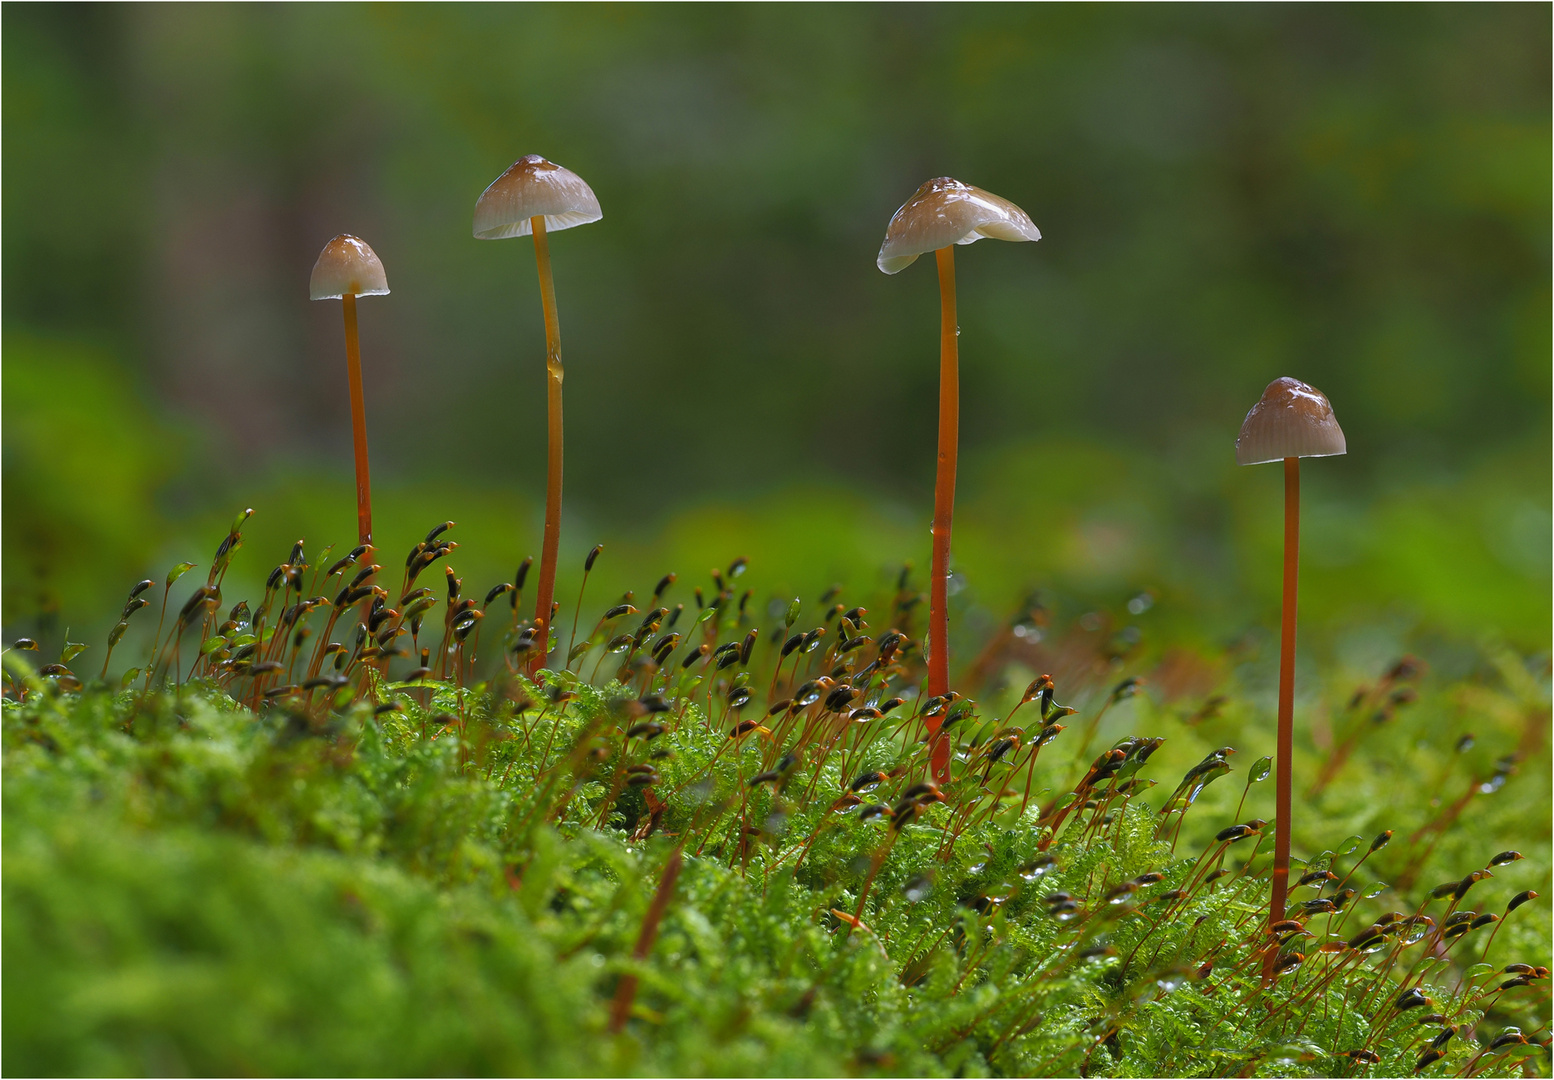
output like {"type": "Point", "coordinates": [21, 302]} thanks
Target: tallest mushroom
{"type": "Point", "coordinates": [538, 197]}
{"type": "Point", "coordinates": [943, 213]}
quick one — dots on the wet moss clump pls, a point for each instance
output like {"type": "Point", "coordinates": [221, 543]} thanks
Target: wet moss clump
{"type": "Point", "coordinates": [336, 829]}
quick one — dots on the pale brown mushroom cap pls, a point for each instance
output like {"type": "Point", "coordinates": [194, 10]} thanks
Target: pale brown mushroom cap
{"type": "Point", "coordinates": [945, 212]}
{"type": "Point", "coordinates": [533, 188]}
{"type": "Point", "coordinates": [347, 266]}
{"type": "Point", "coordinates": [1291, 420]}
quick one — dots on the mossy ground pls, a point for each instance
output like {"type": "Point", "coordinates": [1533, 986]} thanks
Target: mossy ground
{"type": "Point", "coordinates": [454, 875]}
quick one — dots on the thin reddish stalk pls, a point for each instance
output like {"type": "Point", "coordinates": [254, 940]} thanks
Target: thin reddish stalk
{"type": "Point", "coordinates": [353, 364]}
{"type": "Point", "coordinates": [626, 990]}
{"type": "Point", "coordinates": [943, 505]}
{"type": "Point", "coordinates": [1286, 738]}
{"type": "Point", "coordinates": [553, 375]}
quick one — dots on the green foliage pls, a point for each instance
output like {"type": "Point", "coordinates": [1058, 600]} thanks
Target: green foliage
{"type": "Point", "coordinates": [81, 468]}
{"type": "Point", "coordinates": [388, 871]}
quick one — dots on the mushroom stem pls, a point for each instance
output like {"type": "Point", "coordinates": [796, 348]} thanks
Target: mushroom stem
{"type": "Point", "coordinates": [1286, 736]}
{"type": "Point", "coordinates": [353, 363]}
{"type": "Point", "coordinates": [553, 376]}
{"type": "Point", "coordinates": [943, 506]}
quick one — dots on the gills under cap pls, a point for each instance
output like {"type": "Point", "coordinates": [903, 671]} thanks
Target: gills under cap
{"type": "Point", "coordinates": [531, 188]}
{"type": "Point", "coordinates": [347, 266]}
{"type": "Point", "coordinates": [1291, 420]}
{"type": "Point", "coordinates": [944, 212]}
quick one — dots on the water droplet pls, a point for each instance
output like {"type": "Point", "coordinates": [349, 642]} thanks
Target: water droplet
{"type": "Point", "coordinates": [1038, 866]}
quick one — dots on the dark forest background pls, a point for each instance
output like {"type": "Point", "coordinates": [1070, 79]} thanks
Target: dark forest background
{"type": "Point", "coordinates": [1356, 196]}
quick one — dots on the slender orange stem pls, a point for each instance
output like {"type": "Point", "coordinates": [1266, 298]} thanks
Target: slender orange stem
{"type": "Point", "coordinates": [943, 505]}
{"type": "Point", "coordinates": [626, 989]}
{"type": "Point", "coordinates": [553, 374]}
{"type": "Point", "coordinates": [353, 364]}
{"type": "Point", "coordinates": [1286, 737]}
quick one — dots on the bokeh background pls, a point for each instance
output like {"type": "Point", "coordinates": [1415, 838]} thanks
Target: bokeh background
{"type": "Point", "coordinates": [1356, 196]}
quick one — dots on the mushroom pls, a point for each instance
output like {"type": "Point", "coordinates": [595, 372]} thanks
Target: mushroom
{"type": "Point", "coordinates": [348, 268]}
{"type": "Point", "coordinates": [1291, 421]}
{"type": "Point", "coordinates": [943, 213]}
{"type": "Point", "coordinates": [537, 196]}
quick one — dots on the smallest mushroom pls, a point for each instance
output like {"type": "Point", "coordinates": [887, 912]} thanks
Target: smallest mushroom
{"type": "Point", "coordinates": [348, 268]}
{"type": "Point", "coordinates": [1292, 420]}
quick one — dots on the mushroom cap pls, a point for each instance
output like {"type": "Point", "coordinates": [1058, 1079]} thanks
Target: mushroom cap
{"type": "Point", "coordinates": [347, 265]}
{"type": "Point", "coordinates": [1291, 420]}
{"type": "Point", "coordinates": [944, 212]}
{"type": "Point", "coordinates": [531, 188]}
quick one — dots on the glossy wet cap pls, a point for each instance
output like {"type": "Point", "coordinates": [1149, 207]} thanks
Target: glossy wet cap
{"type": "Point", "coordinates": [945, 212]}
{"type": "Point", "coordinates": [1291, 420]}
{"type": "Point", "coordinates": [533, 188]}
{"type": "Point", "coordinates": [347, 265]}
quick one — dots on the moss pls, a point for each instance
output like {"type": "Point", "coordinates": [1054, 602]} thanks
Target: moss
{"type": "Point", "coordinates": [454, 875]}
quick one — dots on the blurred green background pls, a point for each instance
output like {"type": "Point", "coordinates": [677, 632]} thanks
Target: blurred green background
{"type": "Point", "coordinates": [1356, 196]}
